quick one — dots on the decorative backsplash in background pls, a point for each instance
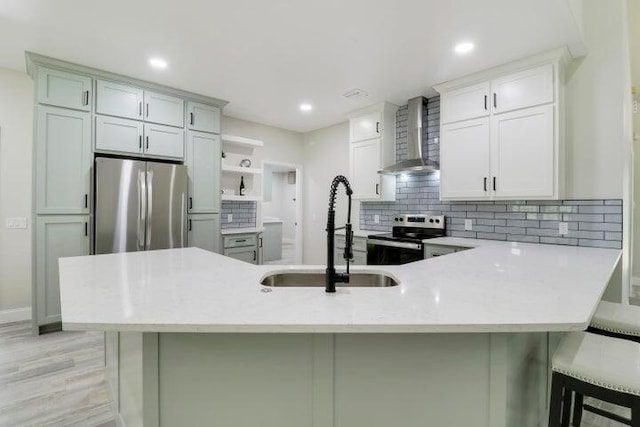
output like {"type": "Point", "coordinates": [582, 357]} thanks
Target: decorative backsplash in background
{"type": "Point", "coordinates": [243, 213]}
{"type": "Point", "coordinates": [594, 223]}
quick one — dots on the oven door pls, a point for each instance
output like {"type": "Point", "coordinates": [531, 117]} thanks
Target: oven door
{"type": "Point", "coordinates": [388, 252]}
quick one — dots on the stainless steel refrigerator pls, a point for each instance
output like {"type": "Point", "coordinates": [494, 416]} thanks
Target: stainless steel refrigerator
{"type": "Point", "coordinates": [139, 205]}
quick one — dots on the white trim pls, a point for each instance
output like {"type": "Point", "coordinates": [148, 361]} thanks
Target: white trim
{"type": "Point", "coordinates": [15, 315]}
{"type": "Point", "coordinates": [289, 241]}
{"type": "Point", "coordinates": [635, 281]}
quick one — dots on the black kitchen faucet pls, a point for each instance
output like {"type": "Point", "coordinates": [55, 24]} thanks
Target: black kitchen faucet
{"type": "Point", "coordinates": [331, 276]}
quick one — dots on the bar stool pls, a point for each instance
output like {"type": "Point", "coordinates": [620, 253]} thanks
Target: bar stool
{"type": "Point", "coordinates": [598, 366]}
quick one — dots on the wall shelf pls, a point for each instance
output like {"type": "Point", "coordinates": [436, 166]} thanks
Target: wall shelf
{"type": "Point", "coordinates": [241, 170]}
{"type": "Point", "coordinates": [241, 141]}
{"type": "Point", "coordinates": [236, 198]}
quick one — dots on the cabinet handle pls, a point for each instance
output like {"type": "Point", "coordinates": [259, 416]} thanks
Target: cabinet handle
{"type": "Point", "coordinates": [494, 183]}
{"type": "Point", "coordinates": [260, 244]}
{"type": "Point", "coordinates": [495, 100]}
{"type": "Point", "coordinates": [140, 142]}
{"type": "Point", "coordinates": [86, 98]}
{"type": "Point", "coordinates": [377, 127]}
{"type": "Point", "coordinates": [377, 189]}
{"type": "Point", "coordinates": [241, 240]}
{"type": "Point", "coordinates": [86, 229]}
{"type": "Point", "coordinates": [147, 109]}
{"type": "Point", "coordinates": [485, 183]}
{"type": "Point", "coordinates": [147, 138]}
{"type": "Point", "coordinates": [485, 103]}
{"type": "Point", "coordinates": [191, 118]}
{"type": "Point", "coordinates": [190, 202]}
{"type": "Point", "coordinates": [189, 225]}
{"type": "Point", "coordinates": [254, 255]}
{"type": "Point", "coordinates": [140, 108]}
{"type": "Point", "coordinates": [86, 200]}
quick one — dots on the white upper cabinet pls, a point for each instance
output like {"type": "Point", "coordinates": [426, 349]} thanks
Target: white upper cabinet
{"type": "Point", "coordinates": [163, 141]}
{"type": "Point", "coordinates": [163, 109]}
{"type": "Point", "coordinates": [516, 150]}
{"type": "Point", "coordinates": [120, 100]}
{"type": "Point", "coordinates": [469, 102]}
{"type": "Point", "coordinates": [527, 88]}
{"type": "Point", "coordinates": [64, 89]}
{"type": "Point", "coordinates": [63, 153]}
{"type": "Point", "coordinates": [365, 127]}
{"type": "Point", "coordinates": [202, 117]}
{"type": "Point", "coordinates": [119, 135]}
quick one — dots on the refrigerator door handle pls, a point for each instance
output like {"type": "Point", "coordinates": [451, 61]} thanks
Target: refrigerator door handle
{"type": "Point", "coordinates": [149, 206]}
{"type": "Point", "coordinates": [142, 209]}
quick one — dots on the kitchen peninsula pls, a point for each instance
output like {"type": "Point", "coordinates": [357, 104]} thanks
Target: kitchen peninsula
{"type": "Point", "coordinates": [193, 338]}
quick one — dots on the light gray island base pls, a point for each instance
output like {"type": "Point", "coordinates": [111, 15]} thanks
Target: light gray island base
{"type": "Point", "coordinates": [328, 380]}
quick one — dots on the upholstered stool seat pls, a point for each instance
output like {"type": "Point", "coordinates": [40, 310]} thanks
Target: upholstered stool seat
{"type": "Point", "coordinates": [613, 319]}
{"type": "Point", "coordinates": [598, 366]}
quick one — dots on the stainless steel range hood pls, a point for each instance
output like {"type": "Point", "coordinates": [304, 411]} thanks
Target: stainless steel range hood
{"type": "Point", "coordinates": [416, 161]}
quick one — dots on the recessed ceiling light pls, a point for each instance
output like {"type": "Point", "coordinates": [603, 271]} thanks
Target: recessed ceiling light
{"type": "Point", "coordinates": [464, 47]}
{"type": "Point", "coordinates": [158, 63]}
{"type": "Point", "coordinates": [306, 107]}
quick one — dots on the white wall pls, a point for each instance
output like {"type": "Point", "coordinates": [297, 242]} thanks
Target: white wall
{"type": "Point", "coordinates": [16, 124]}
{"type": "Point", "coordinates": [634, 41]}
{"type": "Point", "coordinates": [282, 204]}
{"type": "Point", "coordinates": [326, 154]}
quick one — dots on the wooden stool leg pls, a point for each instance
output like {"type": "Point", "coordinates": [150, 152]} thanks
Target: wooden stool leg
{"type": "Point", "coordinates": [555, 406]}
{"type": "Point", "coordinates": [577, 409]}
{"type": "Point", "coordinates": [566, 407]}
{"type": "Point", "coordinates": [635, 412]}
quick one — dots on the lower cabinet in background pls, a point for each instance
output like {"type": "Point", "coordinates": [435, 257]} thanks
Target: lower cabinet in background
{"type": "Point", "coordinates": [57, 236]}
{"type": "Point", "coordinates": [244, 247]}
{"type": "Point", "coordinates": [204, 231]}
{"type": "Point", "coordinates": [359, 251]}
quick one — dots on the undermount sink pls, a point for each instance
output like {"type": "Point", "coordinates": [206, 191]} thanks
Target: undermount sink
{"type": "Point", "coordinates": [313, 278]}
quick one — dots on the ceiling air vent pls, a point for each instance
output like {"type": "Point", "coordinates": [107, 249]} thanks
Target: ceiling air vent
{"type": "Point", "coordinates": [356, 94]}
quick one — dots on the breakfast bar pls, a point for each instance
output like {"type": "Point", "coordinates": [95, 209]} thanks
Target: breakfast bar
{"type": "Point", "coordinates": [194, 338]}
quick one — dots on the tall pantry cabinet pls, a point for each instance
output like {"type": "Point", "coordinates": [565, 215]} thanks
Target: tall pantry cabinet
{"type": "Point", "coordinates": [82, 112]}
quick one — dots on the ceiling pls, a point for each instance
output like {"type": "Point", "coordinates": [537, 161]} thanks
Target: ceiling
{"type": "Point", "coordinates": [267, 57]}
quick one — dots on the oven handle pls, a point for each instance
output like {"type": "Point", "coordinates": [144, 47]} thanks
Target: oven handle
{"type": "Point", "coordinates": [404, 245]}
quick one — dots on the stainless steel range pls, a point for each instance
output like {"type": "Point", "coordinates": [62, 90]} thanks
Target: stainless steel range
{"type": "Point", "coordinates": [405, 243]}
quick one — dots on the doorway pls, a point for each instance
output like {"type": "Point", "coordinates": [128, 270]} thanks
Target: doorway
{"type": "Point", "coordinates": [281, 213]}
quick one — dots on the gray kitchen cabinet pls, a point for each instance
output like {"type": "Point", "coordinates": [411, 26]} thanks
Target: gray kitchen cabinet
{"type": "Point", "coordinates": [64, 89]}
{"type": "Point", "coordinates": [359, 250]}
{"type": "Point", "coordinates": [57, 236]}
{"type": "Point", "coordinates": [119, 100]}
{"type": "Point", "coordinates": [244, 247]}
{"type": "Point", "coordinates": [163, 141]}
{"type": "Point", "coordinates": [63, 160]}
{"type": "Point", "coordinates": [114, 134]}
{"type": "Point", "coordinates": [204, 232]}
{"type": "Point", "coordinates": [203, 167]}
{"type": "Point", "coordinates": [202, 117]}
{"type": "Point", "coordinates": [163, 109]}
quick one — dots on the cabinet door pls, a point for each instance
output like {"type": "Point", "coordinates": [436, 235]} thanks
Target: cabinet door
{"type": "Point", "coordinates": [204, 232]}
{"type": "Point", "coordinates": [365, 164]}
{"type": "Point", "coordinates": [247, 254]}
{"type": "Point", "coordinates": [119, 100]}
{"type": "Point", "coordinates": [464, 159]}
{"type": "Point", "coordinates": [119, 135]}
{"type": "Point", "coordinates": [366, 127]}
{"type": "Point", "coordinates": [63, 161]}
{"type": "Point", "coordinates": [163, 109]}
{"type": "Point", "coordinates": [524, 89]}
{"type": "Point", "coordinates": [163, 141]}
{"type": "Point", "coordinates": [57, 236]}
{"type": "Point", "coordinates": [466, 103]}
{"type": "Point", "coordinates": [202, 117]}
{"type": "Point", "coordinates": [203, 166]}
{"type": "Point", "coordinates": [523, 153]}
{"type": "Point", "coordinates": [64, 89]}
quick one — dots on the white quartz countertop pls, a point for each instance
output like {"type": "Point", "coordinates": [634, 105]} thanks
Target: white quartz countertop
{"type": "Point", "coordinates": [494, 287]}
{"type": "Point", "coordinates": [227, 231]}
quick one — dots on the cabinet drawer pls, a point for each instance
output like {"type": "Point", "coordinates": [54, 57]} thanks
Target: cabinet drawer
{"type": "Point", "coordinates": [240, 241]}
{"type": "Point", "coordinates": [359, 243]}
{"type": "Point", "coordinates": [249, 255]}
{"type": "Point", "coordinates": [116, 99]}
{"type": "Point", "coordinates": [163, 109]}
{"type": "Point", "coordinates": [202, 117]}
{"type": "Point", "coordinates": [64, 89]}
{"type": "Point", "coordinates": [120, 135]}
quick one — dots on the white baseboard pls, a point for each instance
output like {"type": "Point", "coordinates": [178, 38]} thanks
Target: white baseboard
{"type": "Point", "coordinates": [15, 315]}
{"type": "Point", "coordinates": [635, 281]}
{"type": "Point", "coordinates": [289, 241]}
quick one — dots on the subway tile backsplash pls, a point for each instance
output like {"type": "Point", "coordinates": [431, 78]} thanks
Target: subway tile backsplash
{"type": "Point", "coordinates": [593, 223]}
{"type": "Point", "coordinates": [243, 214]}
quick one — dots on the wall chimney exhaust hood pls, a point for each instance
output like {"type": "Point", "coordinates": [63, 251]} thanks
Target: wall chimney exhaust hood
{"type": "Point", "coordinates": [416, 162]}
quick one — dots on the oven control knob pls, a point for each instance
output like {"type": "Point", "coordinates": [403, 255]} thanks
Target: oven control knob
{"type": "Point", "coordinates": [430, 219]}
{"type": "Point", "coordinates": [437, 221]}
{"type": "Point", "coordinates": [396, 219]}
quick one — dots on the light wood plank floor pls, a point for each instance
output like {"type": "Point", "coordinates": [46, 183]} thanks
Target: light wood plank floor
{"type": "Point", "coordinates": [55, 379]}
{"type": "Point", "coordinates": [58, 379]}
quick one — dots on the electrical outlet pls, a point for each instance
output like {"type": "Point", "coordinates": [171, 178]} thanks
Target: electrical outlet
{"type": "Point", "coordinates": [468, 224]}
{"type": "Point", "coordinates": [19, 222]}
{"type": "Point", "coordinates": [376, 219]}
{"type": "Point", "coordinates": [563, 228]}
{"type": "Point", "coordinates": [229, 217]}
